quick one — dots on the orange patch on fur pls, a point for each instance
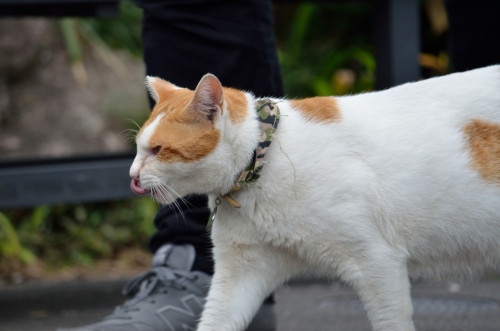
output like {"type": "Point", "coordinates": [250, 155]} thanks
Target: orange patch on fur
{"type": "Point", "coordinates": [237, 104]}
{"type": "Point", "coordinates": [175, 100]}
{"type": "Point", "coordinates": [318, 109]}
{"type": "Point", "coordinates": [183, 141]}
{"type": "Point", "coordinates": [484, 142]}
{"type": "Point", "coordinates": [180, 134]}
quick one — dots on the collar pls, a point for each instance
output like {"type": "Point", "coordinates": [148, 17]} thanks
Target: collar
{"type": "Point", "coordinates": [269, 115]}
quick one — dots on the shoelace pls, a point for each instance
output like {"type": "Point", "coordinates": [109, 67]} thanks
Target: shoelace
{"type": "Point", "coordinates": [144, 284]}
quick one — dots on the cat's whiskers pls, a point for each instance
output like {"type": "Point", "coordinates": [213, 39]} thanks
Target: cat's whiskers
{"type": "Point", "coordinates": [265, 191]}
{"type": "Point", "coordinates": [130, 134]}
{"type": "Point", "coordinates": [135, 123]}
{"type": "Point", "coordinates": [291, 163]}
{"type": "Point", "coordinates": [174, 192]}
{"type": "Point", "coordinates": [166, 193]}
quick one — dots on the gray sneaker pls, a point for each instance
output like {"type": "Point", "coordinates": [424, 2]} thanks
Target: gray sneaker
{"type": "Point", "coordinates": [169, 297]}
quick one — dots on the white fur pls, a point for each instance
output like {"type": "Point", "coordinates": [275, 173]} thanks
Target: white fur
{"type": "Point", "coordinates": [150, 80]}
{"type": "Point", "coordinates": [385, 194]}
{"type": "Point", "coordinates": [143, 151]}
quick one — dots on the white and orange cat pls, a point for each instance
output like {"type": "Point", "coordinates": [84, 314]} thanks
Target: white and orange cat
{"type": "Point", "coordinates": [374, 188]}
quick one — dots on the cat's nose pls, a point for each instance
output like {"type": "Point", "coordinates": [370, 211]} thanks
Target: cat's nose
{"type": "Point", "coordinates": [135, 168]}
{"type": "Point", "coordinates": [134, 172]}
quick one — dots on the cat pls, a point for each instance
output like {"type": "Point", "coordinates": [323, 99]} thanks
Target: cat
{"type": "Point", "coordinates": [375, 188]}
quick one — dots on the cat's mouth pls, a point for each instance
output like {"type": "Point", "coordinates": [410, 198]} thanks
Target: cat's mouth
{"type": "Point", "coordinates": [135, 186]}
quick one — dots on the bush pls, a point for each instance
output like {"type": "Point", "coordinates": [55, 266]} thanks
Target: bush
{"type": "Point", "coordinates": [70, 235]}
{"type": "Point", "coordinates": [325, 49]}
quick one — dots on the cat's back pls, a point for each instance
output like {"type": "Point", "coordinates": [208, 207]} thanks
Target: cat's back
{"type": "Point", "coordinates": [448, 101]}
{"type": "Point", "coordinates": [427, 117]}
{"type": "Point", "coordinates": [423, 116]}
{"type": "Point", "coordinates": [453, 98]}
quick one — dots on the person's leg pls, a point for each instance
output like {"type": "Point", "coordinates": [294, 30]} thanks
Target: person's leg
{"type": "Point", "coordinates": [188, 228]}
{"type": "Point", "coordinates": [183, 40]}
{"type": "Point", "coordinates": [234, 40]}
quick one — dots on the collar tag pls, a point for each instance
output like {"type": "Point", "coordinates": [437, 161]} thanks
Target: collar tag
{"type": "Point", "coordinates": [211, 218]}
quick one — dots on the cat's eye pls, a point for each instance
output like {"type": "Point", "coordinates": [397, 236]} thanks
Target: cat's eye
{"type": "Point", "coordinates": [155, 150]}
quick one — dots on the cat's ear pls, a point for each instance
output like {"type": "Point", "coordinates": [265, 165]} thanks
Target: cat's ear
{"type": "Point", "coordinates": [156, 86]}
{"type": "Point", "coordinates": [208, 97]}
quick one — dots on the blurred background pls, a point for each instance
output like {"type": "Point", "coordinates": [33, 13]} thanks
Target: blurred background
{"type": "Point", "coordinates": [75, 87]}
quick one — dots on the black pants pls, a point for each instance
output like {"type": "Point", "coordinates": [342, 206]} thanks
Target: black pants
{"type": "Point", "coordinates": [185, 39]}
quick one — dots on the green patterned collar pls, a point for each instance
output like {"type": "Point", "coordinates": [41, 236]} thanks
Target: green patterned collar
{"type": "Point", "coordinates": [269, 117]}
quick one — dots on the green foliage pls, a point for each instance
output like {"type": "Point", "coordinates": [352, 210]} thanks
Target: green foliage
{"type": "Point", "coordinates": [69, 31]}
{"type": "Point", "coordinates": [325, 49]}
{"type": "Point", "coordinates": [10, 247]}
{"type": "Point", "coordinates": [122, 32]}
{"type": "Point", "coordinates": [66, 235]}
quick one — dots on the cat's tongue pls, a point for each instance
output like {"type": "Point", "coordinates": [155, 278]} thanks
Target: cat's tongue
{"type": "Point", "coordinates": [137, 189]}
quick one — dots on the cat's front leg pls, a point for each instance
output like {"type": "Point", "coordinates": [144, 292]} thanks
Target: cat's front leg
{"type": "Point", "coordinates": [244, 276]}
{"type": "Point", "coordinates": [384, 287]}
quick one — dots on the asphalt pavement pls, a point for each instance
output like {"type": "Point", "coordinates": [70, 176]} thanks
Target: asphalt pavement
{"type": "Point", "coordinates": [301, 305]}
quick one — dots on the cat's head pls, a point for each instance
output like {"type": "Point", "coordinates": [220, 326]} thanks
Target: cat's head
{"type": "Point", "coordinates": [187, 144]}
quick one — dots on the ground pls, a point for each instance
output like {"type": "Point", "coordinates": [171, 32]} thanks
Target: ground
{"type": "Point", "coordinates": [302, 305]}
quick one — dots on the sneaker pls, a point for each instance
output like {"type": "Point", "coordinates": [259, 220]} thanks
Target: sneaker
{"type": "Point", "coordinates": [169, 297]}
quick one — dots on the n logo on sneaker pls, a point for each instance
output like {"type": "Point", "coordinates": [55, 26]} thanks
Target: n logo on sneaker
{"type": "Point", "coordinates": [185, 316]}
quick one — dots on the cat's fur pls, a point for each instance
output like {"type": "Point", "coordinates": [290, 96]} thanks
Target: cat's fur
{"type": "Point", "coordinates": [372, 188]}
